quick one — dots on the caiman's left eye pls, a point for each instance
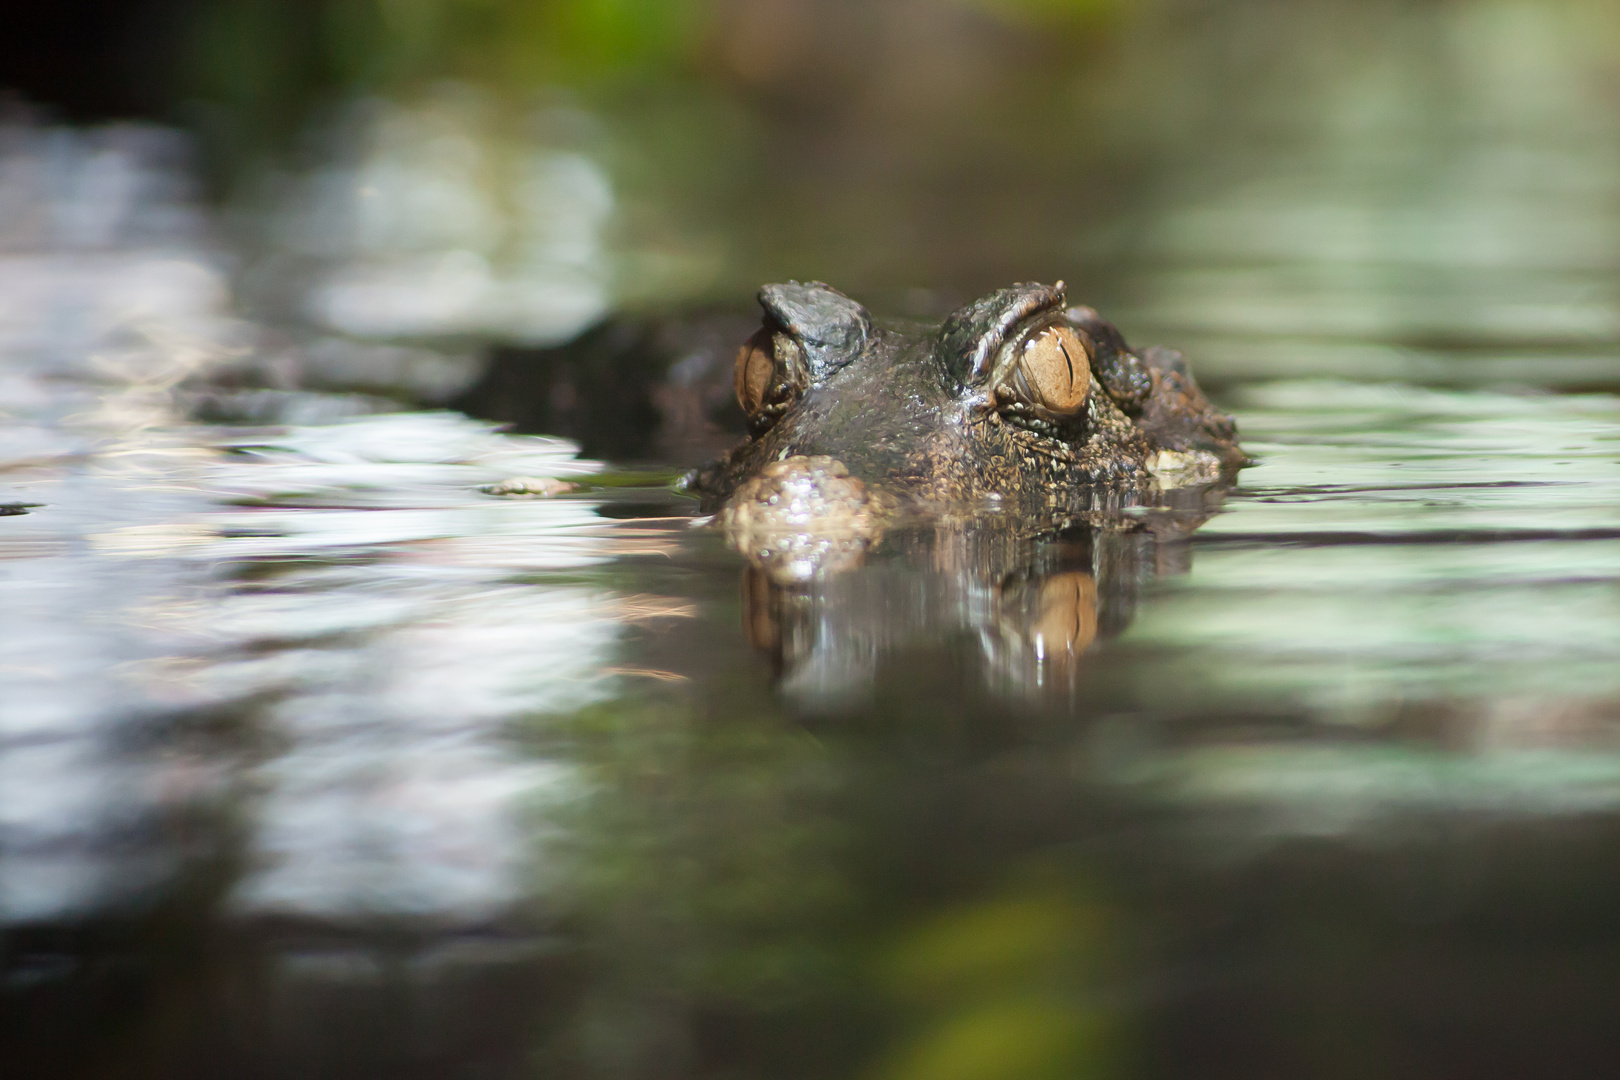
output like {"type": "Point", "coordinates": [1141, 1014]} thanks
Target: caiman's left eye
{"type": "Point", "coordinates": [1049, 376]}
{"type": "Point", "coordinates": [755, 371]}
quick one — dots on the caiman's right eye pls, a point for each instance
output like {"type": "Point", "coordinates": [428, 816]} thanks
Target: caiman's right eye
{"type": "Point", "coordinates": [1049, 375]}
{"type": "Point", "coordinates": [769, 376]}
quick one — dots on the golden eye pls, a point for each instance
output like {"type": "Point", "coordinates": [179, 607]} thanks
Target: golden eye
{"type": "Point", "coordinates": [755, 371]}
{"type": "Point", "coordinates": [1054, 369]}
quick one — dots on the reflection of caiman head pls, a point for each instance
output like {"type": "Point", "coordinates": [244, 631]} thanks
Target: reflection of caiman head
{"type": "Point", "coordinates": [1028, 606]}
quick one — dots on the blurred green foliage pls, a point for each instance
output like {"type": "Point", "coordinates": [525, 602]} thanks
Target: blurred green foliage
{"type": "Point", "coordinates": [1003, 987]}
{"type": "Point", "coordinates": [1050, 12]}
{"type": "Point", "coordinates": [744, 139]}
{"type": "Point", "coordinates": [267, 48]}
{"type": "Point", "coordinates": [377, 42]}
{"type": "Point", "coordinates": [256, 70]}
{"type": "Point", "coordinates": [267, 60]}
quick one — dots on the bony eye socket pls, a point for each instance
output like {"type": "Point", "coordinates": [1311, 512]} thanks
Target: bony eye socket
{"type": "Point", "coordinates": [768, 376]}
{"type": "Point", "coordinates": [1051, 374]}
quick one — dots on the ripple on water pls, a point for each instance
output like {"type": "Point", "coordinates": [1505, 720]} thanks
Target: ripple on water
{"type": "Point", "coordinates": [1438, 571]}
{"type": "Point", "coordinates": [336, 629]}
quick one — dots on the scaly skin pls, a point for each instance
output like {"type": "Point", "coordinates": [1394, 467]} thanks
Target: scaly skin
{"type": "Point", "coordinates": [909, 411]}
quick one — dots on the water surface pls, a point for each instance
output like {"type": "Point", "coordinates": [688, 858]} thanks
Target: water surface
{"type": "Point", "coordinates": [300, 719]}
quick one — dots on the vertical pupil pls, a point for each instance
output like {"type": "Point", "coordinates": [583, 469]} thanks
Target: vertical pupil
{"type": "Point", "coordinates": [1055, 370]}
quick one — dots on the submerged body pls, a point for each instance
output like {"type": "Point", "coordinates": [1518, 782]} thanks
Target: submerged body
{"type": "Point", "coordinates": [1016, 402]}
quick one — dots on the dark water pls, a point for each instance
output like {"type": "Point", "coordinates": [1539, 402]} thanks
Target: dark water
{"type": "Point", "coordinates": [316, 759]}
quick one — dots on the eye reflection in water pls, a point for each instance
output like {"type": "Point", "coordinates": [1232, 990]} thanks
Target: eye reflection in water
{"type": "Point", "coordinates": [1035, 599]}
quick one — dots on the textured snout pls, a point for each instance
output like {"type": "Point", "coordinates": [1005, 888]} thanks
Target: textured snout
{"type": "Point", "coordinates": [802, 516]}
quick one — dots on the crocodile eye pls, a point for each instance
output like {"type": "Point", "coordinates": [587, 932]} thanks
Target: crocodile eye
{"type": "Point", "coordinates": [754, 370]}
{"type": "Point", "coordinates": [1051, 374]}
{"type": "Point", "coordinates": [768, 376]}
